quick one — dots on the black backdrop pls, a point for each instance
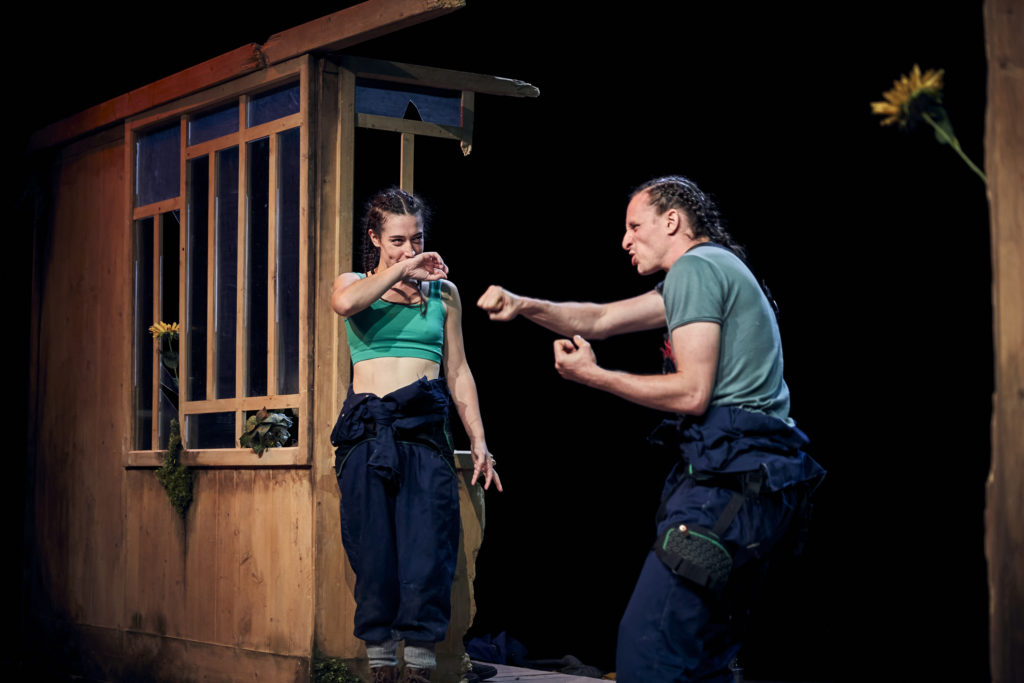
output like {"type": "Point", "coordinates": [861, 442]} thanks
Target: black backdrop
{"type": "Point", "coordinates": [874, 243]}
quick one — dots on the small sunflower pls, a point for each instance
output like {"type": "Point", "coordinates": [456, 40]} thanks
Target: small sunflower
{"type": "Point", "coordinates": [899, 105]}
{"type": "Point", "coordinates": [161, 328]}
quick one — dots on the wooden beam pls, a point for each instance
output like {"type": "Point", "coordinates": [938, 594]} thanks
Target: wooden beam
{"type": "Point", "coordinates": [209, 73]}
{"type": "Point", "coordinates": [434, 130]}
{"type": "Point", "coordinates": [1004, 508]}
{"type": "Point", "coordinates": [356, 24]}
{"type": "Point", "coordinates": [438, 78]}
{"type": "Point", "coordinates": [343, 28]}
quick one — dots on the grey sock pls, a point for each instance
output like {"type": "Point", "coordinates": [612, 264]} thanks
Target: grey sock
{"type": "Point", "coordinates": [420, 655]}
{"type": "Point", "coordinates": [382, 654]}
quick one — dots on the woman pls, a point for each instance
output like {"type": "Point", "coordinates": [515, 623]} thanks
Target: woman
{"type": "Point", "coordinates": [396, 470]}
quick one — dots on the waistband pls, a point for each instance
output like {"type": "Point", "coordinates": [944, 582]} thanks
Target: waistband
{"type": "Point", "coordinates": [416, 412]}
{"type": "Point", "coordinates": [727, 439]}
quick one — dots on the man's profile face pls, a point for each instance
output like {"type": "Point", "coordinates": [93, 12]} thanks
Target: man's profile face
{"type": "Point", "coordinates": [644, 235]}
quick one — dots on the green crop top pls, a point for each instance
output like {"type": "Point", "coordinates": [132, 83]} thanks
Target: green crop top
{"type": "Point", "coordinates": [385, 329]}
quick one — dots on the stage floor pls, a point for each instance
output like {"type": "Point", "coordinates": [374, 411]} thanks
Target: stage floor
{"type": "Point", "coordinates": [507, 674]}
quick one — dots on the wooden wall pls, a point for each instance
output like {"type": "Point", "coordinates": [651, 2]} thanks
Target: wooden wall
{"type": "Point", "coordinates": [80, 400]}
{"type": "Point", "coordinates": [141, 590]}
{"type": "Point", "coordinates": [1004, 164]}
{"type": "Point", "coordinates": [253, 582]}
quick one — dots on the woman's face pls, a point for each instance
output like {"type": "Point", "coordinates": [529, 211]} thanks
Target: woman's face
{"type": "Point", "coordinates": [401, 237]}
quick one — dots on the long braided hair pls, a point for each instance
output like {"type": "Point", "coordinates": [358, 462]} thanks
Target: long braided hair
{"type": "Point", "coordinates": [677, 192]}
{"type": "Point", "coordinates": [396, 202]}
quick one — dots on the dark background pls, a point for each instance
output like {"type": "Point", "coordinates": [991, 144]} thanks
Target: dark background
{"type": "Point", "coordinates": [874, 243]}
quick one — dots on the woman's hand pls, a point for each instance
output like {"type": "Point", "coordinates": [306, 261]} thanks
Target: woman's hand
{"type": "Point", "coordinates": [483, 464]}
{"type": "Point", "coordinates": [426, 266]}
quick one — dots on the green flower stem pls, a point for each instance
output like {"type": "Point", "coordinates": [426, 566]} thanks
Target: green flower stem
{"type": "Point", "coordinates": [955, 144]}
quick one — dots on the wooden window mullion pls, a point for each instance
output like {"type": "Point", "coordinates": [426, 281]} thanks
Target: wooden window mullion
{"type": "Point", "coordinates": [272, 196]}
{"type": "Point", "coordinates": [183, 225]}
{"type": "Point", "coordinates": [241, 322]}
{"type": "Point", "coordinates": [213, 184]}
{"type": "Point", "coordinates": [155, 426]}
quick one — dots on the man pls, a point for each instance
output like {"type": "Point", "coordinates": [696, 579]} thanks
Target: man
{"type": "Point", "coordinates": [742, 478]}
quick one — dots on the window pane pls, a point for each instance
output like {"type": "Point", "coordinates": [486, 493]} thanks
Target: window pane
{"type": "Point", "coordinates": [273, 104]}
{"type": "Point", "coordinates": [213, 124]}
{"type": "Point", "coordinates": [287, 309]}
{"type": "Point", "coordinates": [198, 231]}
{"type": "Point", "coordinates": [211, 430]}
{"type": "Point", "coordinates": [256, 266]}
{"type": "Point", "coordinates": [226, 278]}
{"type": "Point", "coordinates": [385, 98]}
{"type": "Point", "coordinates": [157, 157]}
{"type": "Point", "coordinates": [142, 372]}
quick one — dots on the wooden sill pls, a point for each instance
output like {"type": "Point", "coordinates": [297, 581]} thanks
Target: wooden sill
{"type": "Point", "coordinates": [293, 456]}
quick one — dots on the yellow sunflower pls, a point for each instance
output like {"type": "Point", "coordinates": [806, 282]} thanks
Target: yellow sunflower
{"type": "Point", "coordinates": [162, 328]}
{"type": "Point", "coordinates": [896, 107]}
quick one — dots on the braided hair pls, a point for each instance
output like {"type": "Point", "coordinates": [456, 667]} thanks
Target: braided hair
{"type": "Point", "coordinates": [677, 192]}
{"type": "Point", "coordinates": [396, 202]}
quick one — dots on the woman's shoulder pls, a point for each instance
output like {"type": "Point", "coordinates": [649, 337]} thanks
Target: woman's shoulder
{"type": "Point", "coordinates": [447, 289]}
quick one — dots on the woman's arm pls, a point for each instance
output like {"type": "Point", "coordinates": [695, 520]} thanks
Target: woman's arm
{"type": "Point", "coordinates": [462, 387]}
{"type": "Point", "coordinates": [352, 293]}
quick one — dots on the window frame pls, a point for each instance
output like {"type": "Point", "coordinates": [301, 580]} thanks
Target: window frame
{"type": "Point", "coordinates": [240, 90]}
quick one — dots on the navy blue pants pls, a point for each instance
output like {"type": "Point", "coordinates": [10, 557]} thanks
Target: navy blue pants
{"type": "Point", "coordinates": [674, 630]}
{"type": "Point", "coordinates": [399, 510]}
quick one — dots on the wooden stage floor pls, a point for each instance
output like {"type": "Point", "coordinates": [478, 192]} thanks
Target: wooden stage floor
{"type": "Point", "coordinates": [507, 674]}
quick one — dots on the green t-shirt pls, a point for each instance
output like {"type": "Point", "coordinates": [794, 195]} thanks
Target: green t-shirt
{"type": "Point", "coordinates": [711, 284]}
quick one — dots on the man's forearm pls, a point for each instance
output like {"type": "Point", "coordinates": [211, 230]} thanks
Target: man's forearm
{"type": "Point", "coordinates": [565, 317]}
{"type": "Point", "coordinates": [670, 393]}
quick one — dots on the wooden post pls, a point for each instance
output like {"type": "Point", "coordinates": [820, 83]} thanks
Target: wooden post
{"type": "Point", "coordinates": [1004, 165]}
{"type": "Point", "coordinates": [408, 159]}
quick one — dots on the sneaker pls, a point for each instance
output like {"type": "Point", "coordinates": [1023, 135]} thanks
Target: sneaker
{"type": "Point", "coordinates": [385, 674]}
{"type": "Point", "coordinates": [414, 675]}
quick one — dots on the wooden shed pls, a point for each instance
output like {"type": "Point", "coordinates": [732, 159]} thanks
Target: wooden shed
{"type": "Point", "coordinates": [220, 198]}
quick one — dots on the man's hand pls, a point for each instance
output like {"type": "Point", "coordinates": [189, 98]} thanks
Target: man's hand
{"type": "Point", "coordinates": [426, 266]}
{"type": "Point", "coordinates": [499, 303]}
{"type": "Point", "coordinates": [575, 360]}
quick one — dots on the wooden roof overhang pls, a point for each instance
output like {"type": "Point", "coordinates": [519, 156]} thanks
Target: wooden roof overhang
{"type": "Point", "coordinates": [330, 33]}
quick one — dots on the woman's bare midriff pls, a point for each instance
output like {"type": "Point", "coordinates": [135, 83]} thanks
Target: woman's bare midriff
{"type": "Point", "coordinates": [381, 376]}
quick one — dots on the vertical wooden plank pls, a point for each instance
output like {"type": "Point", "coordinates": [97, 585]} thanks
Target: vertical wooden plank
{"type": "Point", "coordinates": [132, 540]}
{"type": "Point", "coordinates": [241, 303]}
{"type": "Point", "coordinates": [183, 227]}
{"type": "Point", "coordinates": [155, 441]}
{"type": "Point", "coordinates": [223, 549]}
{"type": "Point", "coordinates": [405, 172]}
{"type": "Point", "coordinates": [248, 585]}
{"type": "Point", "coordinates": [308, 433]}
{"type": "Point", "coordinates": [1004, 166]}
{"type": "Point", "coordinates": [272, 190]}
{"type": "Point", "coordinates": [211, 272]}
{"type": "Point", "coordinates": [468, 121]}
{"type": "Point", "coordinates": [334, 580]}
{"type": "Point", "coordinates": [201, 564]}
{"type": "Point", "coordinates": [211, 288]}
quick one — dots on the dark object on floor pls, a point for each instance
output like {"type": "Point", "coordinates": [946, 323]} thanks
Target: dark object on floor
{"type": "Point", "coordinates": [566, 665]}
{"type": "Point", "coordinates": [500, 649]}
{"type": "Point", "coordinates": [482, 671]}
